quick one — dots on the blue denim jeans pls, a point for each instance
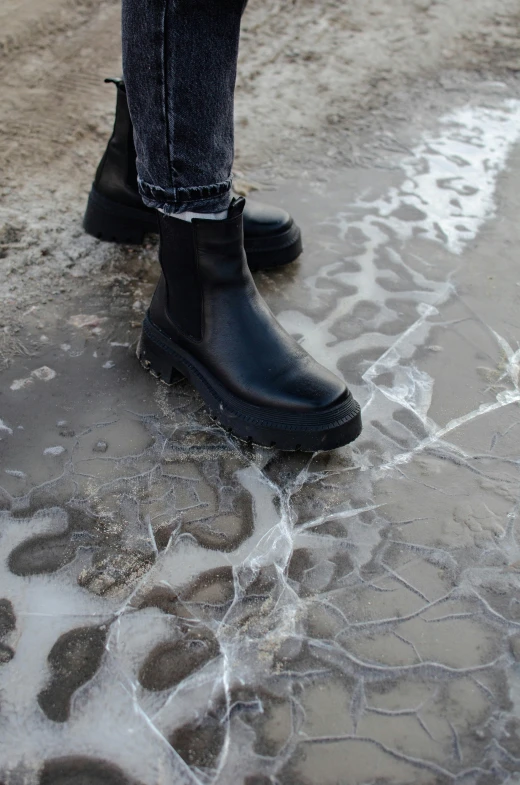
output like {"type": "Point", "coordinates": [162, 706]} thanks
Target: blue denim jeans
{"type": "Point", "coordinates": [179, 63]}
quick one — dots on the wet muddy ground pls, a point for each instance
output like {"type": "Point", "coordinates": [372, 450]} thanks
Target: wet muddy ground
{"type": "Point", "coordinates": [176, 607]}
{"type": "Point", "coordinates": [179, 608]}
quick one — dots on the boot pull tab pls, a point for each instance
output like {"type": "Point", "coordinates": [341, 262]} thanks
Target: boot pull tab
{"type": "Point", "coordinates": [119, 83]}
{"type": "Point", "coordinates": [236, 207]}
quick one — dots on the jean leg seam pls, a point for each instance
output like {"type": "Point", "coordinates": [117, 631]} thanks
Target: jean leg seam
{"type": "Point", "coordinates": [167, 129]}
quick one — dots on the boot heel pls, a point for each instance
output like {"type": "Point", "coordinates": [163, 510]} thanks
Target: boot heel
{"type": "Point", "coordinates": [156, 361]}
{"type": "Point", "coordinates": [116, 223]}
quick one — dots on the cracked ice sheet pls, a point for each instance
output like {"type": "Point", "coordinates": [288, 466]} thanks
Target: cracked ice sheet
{"type": "Point", "coordinates": [176, 608]}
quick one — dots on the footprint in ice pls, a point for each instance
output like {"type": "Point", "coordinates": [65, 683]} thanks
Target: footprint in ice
{"type": "Point", "coordinates": [74, 659]}
{"type": "Point", "coordinates": [171, 662]}
{"type": "Point", "coordinates": [83, 771]}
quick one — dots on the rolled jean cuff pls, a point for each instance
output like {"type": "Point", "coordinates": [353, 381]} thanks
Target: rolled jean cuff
{"type": "Point", "coordinates": [199, 198]}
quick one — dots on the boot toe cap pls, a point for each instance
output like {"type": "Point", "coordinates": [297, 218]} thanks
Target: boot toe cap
{"type": "Point", "coordinates": [262, 220]}
{"type": "Point", "coordinates": [319, 390]}
{"type": "Point", "coordinates": [306, 388]}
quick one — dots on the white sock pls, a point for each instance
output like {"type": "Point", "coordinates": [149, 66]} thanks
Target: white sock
{"type": "Point", "coordinates": [189, 216]}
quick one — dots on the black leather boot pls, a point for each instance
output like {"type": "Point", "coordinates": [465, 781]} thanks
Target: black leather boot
{"type": "Point", "coordinates": [208, 323]}
{"type": "Point", "coordinates": [115, 210]}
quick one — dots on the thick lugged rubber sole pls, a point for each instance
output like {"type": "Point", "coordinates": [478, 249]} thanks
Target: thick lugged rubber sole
{"type": "Point", "coordinates": [265, 253]}
{"type": "Point", "coordinates": [326, 429]}
{"type": "Point", "coordinates": [109, 220]}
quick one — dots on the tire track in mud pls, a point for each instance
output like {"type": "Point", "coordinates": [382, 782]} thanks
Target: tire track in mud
{"type": "Point", "coordinates": [56, 107]}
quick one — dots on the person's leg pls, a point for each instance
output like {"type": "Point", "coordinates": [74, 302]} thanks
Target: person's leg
{"type": "Point", "coordinates": [115, 210]}
{"type": "Point", "coordinates": [207, 321]}
{"type": "Point", "coordinates": [179, 63]}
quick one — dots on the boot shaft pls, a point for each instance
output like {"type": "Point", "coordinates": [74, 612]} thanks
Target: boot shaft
{"type": "Point", "coordinates": [221, 259]}
{"type": "Point", "coordinates": [179, 292]}
{"type": "Point", "coordinates": [200, 260]}
{"type": "Point", "coordinates": [116, 175]}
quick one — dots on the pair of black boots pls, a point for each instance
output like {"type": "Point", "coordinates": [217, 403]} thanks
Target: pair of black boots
{"type": "Point", "coordinates": [207, 321]}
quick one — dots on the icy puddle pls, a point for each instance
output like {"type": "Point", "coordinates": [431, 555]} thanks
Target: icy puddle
{"type": "Point", "coordinates": [176, 608]}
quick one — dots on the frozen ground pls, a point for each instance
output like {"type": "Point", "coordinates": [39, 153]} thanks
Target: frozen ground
{"type": "Point", "coordinates": [176, 608]}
